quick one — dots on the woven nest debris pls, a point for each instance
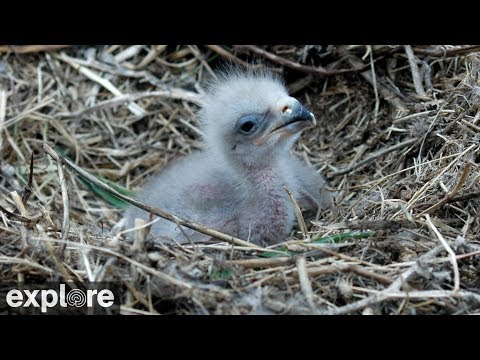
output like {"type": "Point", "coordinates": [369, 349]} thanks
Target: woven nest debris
{"type": "Point", "coordinates": [398, 138]}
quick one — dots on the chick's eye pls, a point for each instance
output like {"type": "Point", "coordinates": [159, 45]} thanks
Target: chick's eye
{"type": "Point", "coordinates": [248, 124]}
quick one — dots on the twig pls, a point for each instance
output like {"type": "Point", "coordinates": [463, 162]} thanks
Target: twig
{"type": "Point", "coordinates": [393, 288]}
{"type": "Point", "coordinates": [261, 263]}
{"type": "Point", "coordinates": [26, 262]}
{"type": "Point", "coordinates": [24, 114]}
{"type": "Point", "coordinates": [465, 197]}
{"type": "Point", "coordinates": [151, 56]}
{"type": "Point", "coordinates": [373, 157]}
{"type": "Point", "coordinates": [150, 209]}
{"type": "Point", "coordinates": [173, 93]}
{"type": "Point", "coordinates": [319, 71]}
{"type": "Point", "coordinates": [161, 275]}
{"type": "Point", "coordinates": [415, 115]}
{"type": "Point", "coordinates": [449, 251]}
{"type": "Point", "coordinates": [417, 82]}
{"type": "Point", "coordinates": [374, 79]}
{"type": "Point", "coordinates": [227, 55]}
{"type": "Point", "coordinates": [449, 196]}
{"type": "Point", "coordinates": [66, 205]}
{"type": "Point", "coordinates": [305, 283]}
{"type": "Point", "coordinates": [298, 214]}
{"type": "Point", "coordinates": [30, 219]}
{"type": "Point", "coordinates": [391, 225]}
{"type": "Point", "coordinates": [19, 204]}
{"type": "Point", "coordinates": [133, 107]}
{"type": "Point", "coordinates": [447, 52]}
{"type": "Point", "coordinates": [386, 92]}
{"type": "Point", "coordinates": [424, 188]}
{"type": "Point", "coordinates": [339, 267]}
{"type": "Point", "coordinates": [128, 53]}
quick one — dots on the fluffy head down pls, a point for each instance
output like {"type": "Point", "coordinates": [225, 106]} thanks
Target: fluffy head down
{"type": "Point", "coordinates": [249, 119]}
{"type": "Point", "coordinates": [235, 92]}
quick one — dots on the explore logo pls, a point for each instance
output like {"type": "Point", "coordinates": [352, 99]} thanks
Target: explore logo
{"type": "Point", "coordinates": [61, 298]}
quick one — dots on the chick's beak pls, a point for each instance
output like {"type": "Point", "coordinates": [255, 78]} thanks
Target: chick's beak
{"type": "Point", "coordinates": [291, 118]}
{"type": "Point", "coordinates": [297, 113]}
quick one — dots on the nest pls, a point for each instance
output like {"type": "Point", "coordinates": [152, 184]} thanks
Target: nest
{"type": "Point", "coordinates": [398, 140]}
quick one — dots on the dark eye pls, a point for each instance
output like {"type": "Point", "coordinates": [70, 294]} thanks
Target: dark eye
{"type": "Point", "coordinates": [248, 124]}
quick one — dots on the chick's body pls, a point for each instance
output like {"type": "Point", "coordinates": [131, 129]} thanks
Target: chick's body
{"type": "Point", "coordinates": [237, 183]}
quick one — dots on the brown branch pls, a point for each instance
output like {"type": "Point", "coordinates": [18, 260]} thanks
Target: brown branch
{"type": "Point", "coordinates": [150, 209]}
{"type": "Point", "coordinates": [318, 70]}
{"type": "Point", "coordinates": [229, 56]}
{"type": "Point", "coordinates": [447, 52]}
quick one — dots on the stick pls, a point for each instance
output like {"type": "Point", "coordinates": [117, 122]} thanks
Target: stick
{"type": "Point", "coordinates": [373, 157]}
{"type": "Point", "coordinates": [391, 225]}
{"type": "Point", "coordinates": [156, 211]}
{"type": "Point", "coordinates": [226, 54]}
{"type": "Point", "coordinates": [453, 259]}
{"type": "Point", "coordinates": [133, 107]}
{"type": "Point", "coordinates": [19, 204]}
{"type": "Point", "coordinates": [319, 71]}
{"type": "Point", "coordinates": [66, 206]}
{"type": "Point", "coordinates": [449, 196]}
{"type": "Point", "coordinates": [173, 93]}
{"type": "Point", "coordinates": [417, 82]}
{"type": "Point", "coordinates": [447, 52]}
{"type": "Point", "coordinates": [393, 288]}
{"type": "Point", "coordinates": [298, 214]}
{"type": "Point", "coordinates": [30, 219]}
{"type": "Point", "coordinates": [385, 91]}
{"type": "Point", "coordinates": [425, 187]}
{"type": "Point", "coordinates": [305, 283]}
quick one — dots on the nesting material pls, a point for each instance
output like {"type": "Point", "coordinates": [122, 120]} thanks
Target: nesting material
{"type": "Point", "coordinates": [397, 136]}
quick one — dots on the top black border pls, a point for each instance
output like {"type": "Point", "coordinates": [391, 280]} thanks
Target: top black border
{"type": "Point", "coordinates": [240, 22]}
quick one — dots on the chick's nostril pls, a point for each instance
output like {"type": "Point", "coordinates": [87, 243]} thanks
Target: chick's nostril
{"type": "Point", "coordinates": [286, 110]}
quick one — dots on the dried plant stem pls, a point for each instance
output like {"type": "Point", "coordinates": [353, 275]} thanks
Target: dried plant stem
{"type": "Point", "coordinates": [447, 52]}
{"type": "Point", "coordinates": [372, 157]}
{"type": "Point", "coordinates": [450, 252]}
{"type": "Point", "coordinates": [383, 90]}
{"type": "Point", "coordinates": [393, 288]}
{"type": "Point", "coordinates": [417, 81]}
{"type": "Point", "coordinates": [318, 70]}
{"type": "Point", "coordinates": [19, 204]}
{"type": "Point", "coordinates": [66, 204]}
{"type": "Point", "coordinates": [451, 194]}
{"type": "Point", "coordinates": [298, 214]}
{"type": "Point", "coordinates": [424, 188]}
{"type": "Point", "coordinates": [133, 107]}
{"type": "Point", "coordinates": [173, 93]}
{"type": "Point", "coordinates": [305, 283]}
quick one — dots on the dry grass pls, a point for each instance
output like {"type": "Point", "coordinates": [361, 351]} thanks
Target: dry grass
{"type": "Point", "coordinates": [399, 142]}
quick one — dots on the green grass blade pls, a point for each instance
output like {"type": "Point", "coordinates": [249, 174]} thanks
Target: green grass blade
{"type": "Point", "coordinates": [111, 199]}
{"type": "Point", "coordinates": [321, 240]}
